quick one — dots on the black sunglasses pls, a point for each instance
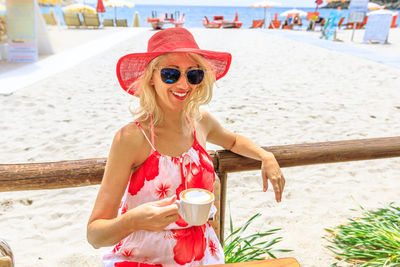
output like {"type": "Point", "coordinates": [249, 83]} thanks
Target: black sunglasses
{"type": "Point", "coordinates": [170, 75]}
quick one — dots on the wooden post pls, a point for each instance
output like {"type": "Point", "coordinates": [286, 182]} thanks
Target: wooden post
{"type": "Point", "coordinates": [223, 179]}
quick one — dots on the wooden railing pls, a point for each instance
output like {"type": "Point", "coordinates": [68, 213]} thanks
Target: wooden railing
{"type": "Point", "coordinates": [51, 175]}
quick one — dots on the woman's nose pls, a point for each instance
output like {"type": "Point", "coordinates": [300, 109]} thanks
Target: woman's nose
{"type": "Point", "coordinates": [182, 82]}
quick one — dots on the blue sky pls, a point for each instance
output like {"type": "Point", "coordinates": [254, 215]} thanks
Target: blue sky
{"type": "Point", "coordinates": [285, 3]}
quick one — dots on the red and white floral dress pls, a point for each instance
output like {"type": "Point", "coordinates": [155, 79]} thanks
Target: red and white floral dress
{"type": "Point", "coordinates": [180, 244]}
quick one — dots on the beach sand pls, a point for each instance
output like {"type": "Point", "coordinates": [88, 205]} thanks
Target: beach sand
{"type": "Point", "coordinates": [277, 92]}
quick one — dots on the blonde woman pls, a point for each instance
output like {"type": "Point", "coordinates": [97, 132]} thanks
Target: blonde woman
{"type": "Point", "coordinates": [163, 153]}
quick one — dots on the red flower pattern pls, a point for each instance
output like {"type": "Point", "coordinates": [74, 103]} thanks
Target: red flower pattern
{"type": "Point", "coordinates": [124, 209]}
{"type": "Point", "coordinates": [148, 170]}
{"type": "Point", "coordinates": [117, 247]}
{"type": "Point", "coordinates": [162, 190]}
{"type": "Point", "coordinates": [135, 264]}
{"type": "Point", "coordinates": [212, 247]}
{"type": "Point", "coordinates": [127, 252]}
{"type": "Point", "coordinates": [190, 244]}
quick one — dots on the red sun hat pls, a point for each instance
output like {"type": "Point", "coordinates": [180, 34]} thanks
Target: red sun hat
{"type": "Point", "coordinates": [172, 40]}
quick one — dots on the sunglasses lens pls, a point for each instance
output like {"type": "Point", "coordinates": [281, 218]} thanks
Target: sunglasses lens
{"type": "Point", "coordinates": [195, 76]}
{"type": "Point", "coordinates": [170, 75]}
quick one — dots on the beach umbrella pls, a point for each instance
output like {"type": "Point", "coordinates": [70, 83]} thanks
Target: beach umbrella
{"type": "Point", "coordinates": [373, 6]}
{"type": "Point", "coordinates": [294, 11]}
{"type": "Point", "coordinates": [267, 6]}
{"type": "Point", "coordinates": [100, 7]}
{"type": "Point", "coordinates": [118, 3]}
{"type": "Point", "coordinates": [49, 2]}
{"type": "Point", "coordinates": [79, 8]}
{"type": "Point", "coordinates": [318, 3]}
{"type": "Point", "coordinates": [382, 11]}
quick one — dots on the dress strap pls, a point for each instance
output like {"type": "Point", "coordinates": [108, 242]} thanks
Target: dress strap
{"type": "Point", "coordinates": [140, 127]}
{"type": "Point", "coordinates": [152, 130]}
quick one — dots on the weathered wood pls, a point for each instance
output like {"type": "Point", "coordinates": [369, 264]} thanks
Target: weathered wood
{"type": "Point", "coordinates": [49, 175]}
{"type": "Point", "coordinates": [223, 177]}
{"type": "Point", "coordinates": [315, 153]}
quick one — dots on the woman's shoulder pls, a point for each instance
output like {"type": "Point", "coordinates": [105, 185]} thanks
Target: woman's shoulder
{"type": "Point", "coordinates": [130, 136]}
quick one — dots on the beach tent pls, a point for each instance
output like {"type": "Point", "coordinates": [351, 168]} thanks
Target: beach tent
{"type": "Point", "coordinates": [267, 6]}
{"type": "Point", "coordinates": [294, 11]}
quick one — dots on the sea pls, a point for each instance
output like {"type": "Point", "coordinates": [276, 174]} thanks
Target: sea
{"type": "Point", "coordinates": [193, 15]}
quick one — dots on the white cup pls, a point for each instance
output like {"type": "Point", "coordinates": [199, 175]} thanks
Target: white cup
{"type": "Point", "coordinates": [195, 205]}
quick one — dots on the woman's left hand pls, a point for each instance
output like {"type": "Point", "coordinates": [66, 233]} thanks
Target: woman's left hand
{"type": "Point", "coordinates": [271, 171]}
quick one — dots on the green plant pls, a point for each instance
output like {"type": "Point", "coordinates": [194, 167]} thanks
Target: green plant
{"type": "Point", "coordinates": [239, 248]}
{"type": "Point", "coordinates": [372, 240]}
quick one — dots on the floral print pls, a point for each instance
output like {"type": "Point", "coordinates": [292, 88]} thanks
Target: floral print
{"type": "Point", "coordinates": [180, 244]}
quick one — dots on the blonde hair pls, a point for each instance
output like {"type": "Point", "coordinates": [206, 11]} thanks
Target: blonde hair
{"type": "Point", "coordinates": [148, 104]}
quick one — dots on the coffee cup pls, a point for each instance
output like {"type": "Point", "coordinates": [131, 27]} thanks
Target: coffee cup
{"type": "Point", "coordinates": [195, 205]}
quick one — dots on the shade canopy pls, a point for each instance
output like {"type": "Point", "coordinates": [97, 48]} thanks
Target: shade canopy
{"type": "Point", "coordinates": [383, 11]}
{"type": "Point", "coordinates": [79, 8]}
{"type": "Point", "coordinates": [118, 3]}
{"type": "Point", "coordinates": [49, 2]}
{"type": "Point", "coordinates": [374, 6]}
{"type": "Point", "coordinates": [294, 11]}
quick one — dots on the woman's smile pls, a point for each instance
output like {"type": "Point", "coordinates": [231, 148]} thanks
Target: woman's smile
{"type": "Point", "coordinates": [181, 95]}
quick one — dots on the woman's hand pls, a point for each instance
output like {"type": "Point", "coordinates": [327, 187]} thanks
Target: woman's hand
{"type": "Point", "coordinates": [154, 216]}
{"type": "Point", "coordinates": [271, 171]}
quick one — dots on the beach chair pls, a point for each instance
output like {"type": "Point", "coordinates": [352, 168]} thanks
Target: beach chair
{"type": "Point", "coordinates": [108, 22]}
{"type": "Point", "coordinates": [121, 23]}
{"type": "Point", "coordinates": [257, 23]}
{"type": "Point", "coordinates": [50, 19]}
{"type": "Point", "coordinates": [394, 19]}
{"type": "Point", "coordinates": [91, 20]}
{"type": "Point", "coordinates": [72, 20]}
{"type": "Point", "coordinates": [340, 22]}
{"type": "Point", "coordinates": [6, 255]}
{"type": "Point", "coordinates": [275, 23]}
{"type": "Point", "coordinates": [180, 21]}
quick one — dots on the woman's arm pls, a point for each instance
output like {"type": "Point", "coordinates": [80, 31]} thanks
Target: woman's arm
{"type": "Point", "coordinates": [104, 227]}
{"type": "Point", "coordinates": [238, 144]}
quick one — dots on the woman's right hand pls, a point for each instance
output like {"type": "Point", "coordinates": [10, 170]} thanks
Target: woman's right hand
{"type": "Point", "coordinates": [154, 216]}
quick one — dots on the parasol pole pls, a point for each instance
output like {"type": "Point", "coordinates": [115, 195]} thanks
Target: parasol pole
{"type": "Point", "coordinates": [265, 11]}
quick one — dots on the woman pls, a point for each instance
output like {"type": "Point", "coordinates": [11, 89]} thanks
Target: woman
{"type": "Point", "coordinates": [162, 153]}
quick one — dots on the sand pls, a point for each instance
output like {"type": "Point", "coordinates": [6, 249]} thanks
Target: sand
{"type": "Point", "coordinates": [278, 91]}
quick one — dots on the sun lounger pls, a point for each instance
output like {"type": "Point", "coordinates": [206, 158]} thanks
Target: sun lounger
{"type": "Point", "coordinates": [108, 22]}
{"type": "Point", "coordinates": [257, 23]}
{"type": "Point", "coordinates": [50, 19]}
{"type": "Point", "coordinates": [91, 20]}
{"type": "Point", "coordinates": [72, 20]}
{"type": "Point", "coordinates": [121, 22]}
{"type": "Point", "coordinates": [6, 255]}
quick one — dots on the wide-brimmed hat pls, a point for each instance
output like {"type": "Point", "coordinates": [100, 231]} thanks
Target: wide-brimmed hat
{"type": "Point", "coordinates": [172, 40]}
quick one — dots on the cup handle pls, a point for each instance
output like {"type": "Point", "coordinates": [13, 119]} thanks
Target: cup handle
{"type": "Point", "coordinates": [180, 210]}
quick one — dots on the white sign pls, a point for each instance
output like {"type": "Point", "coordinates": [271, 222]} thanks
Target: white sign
{"type": "Point", "coordinates": [377, 28]}
{"type": "Point", "coordinates": [22, 40]}
{"type": "Point", "coordinates": [356, 16]}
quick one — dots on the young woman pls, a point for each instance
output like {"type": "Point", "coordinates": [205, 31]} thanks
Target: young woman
{"type": "Point", "coordinates": [162, 153]}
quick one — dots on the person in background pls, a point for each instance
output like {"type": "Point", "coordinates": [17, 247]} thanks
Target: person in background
{"type": "Point", "coordinates": [162, 153]}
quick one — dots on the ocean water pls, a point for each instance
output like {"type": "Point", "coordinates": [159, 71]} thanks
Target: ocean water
{"type": "Point", "coordinates": [194, 14]}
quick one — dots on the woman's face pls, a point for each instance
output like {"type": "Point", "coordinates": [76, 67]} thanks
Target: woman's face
{"type": "Point", "coordinates": [173, 96]}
